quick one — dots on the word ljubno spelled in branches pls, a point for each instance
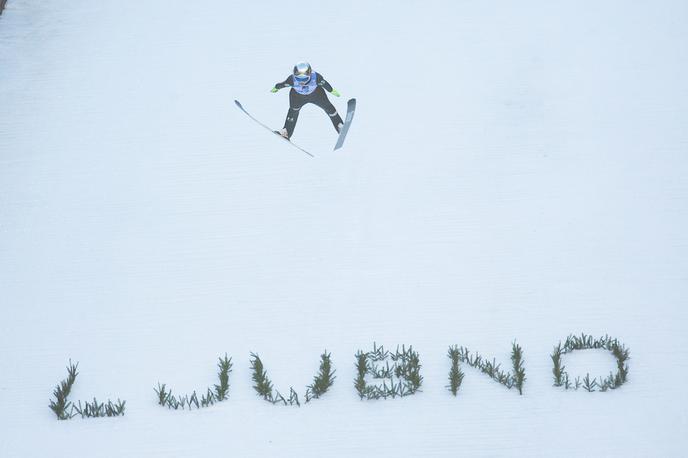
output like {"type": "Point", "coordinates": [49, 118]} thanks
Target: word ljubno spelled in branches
{"type": "Point", "coordinates": [380, 374]}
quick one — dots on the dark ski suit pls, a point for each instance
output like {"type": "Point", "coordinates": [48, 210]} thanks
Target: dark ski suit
{"type": "Point", "coordinates": [313, 92]}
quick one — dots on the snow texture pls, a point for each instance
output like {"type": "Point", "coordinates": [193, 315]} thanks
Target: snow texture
{"type": "Point", "coordinates": [515, 171]}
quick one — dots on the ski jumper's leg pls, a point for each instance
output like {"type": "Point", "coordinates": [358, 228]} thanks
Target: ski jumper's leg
{"type": "Point", "coordinates": [295, 103]}
{"type": "Point", "coordinates": [321, 100]}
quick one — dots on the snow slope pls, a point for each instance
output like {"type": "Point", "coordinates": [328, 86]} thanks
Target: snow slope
{"type": "Point", "coordinates": [515, 170]}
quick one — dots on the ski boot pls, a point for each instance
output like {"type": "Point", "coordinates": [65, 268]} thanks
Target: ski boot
{"type": "Point", "coordinates": [282, 132]}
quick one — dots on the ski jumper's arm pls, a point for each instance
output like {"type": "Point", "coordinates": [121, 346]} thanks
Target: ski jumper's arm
{"type": "Point", "coordinates": [289, 82]}
{"type": "Point", "coordinates": [325, 85]}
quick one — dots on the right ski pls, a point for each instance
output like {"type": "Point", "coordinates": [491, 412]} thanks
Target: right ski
{"type": "Point", "coordinates": [238, 104]}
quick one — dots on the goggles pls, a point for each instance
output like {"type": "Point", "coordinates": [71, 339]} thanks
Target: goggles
{"type": "Point", "coordinates": [302, 79]}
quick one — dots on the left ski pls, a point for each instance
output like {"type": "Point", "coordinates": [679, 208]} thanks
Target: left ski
{"type": "Point", "coordinates": [350, 109]}
{"type": "Point", "coordinates": [238, 104]}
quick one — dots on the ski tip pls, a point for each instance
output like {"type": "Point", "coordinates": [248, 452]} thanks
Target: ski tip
{"type": "Point", "coordinates": [236, 102]}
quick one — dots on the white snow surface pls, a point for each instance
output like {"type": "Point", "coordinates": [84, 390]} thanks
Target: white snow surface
{"type": "Point", "coordinates": [515, 171]}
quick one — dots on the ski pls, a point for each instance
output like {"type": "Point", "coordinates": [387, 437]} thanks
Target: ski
{"type": "Point", "coordinates": [350, 108]}
{"type": "Point", "coordinates": [238, 104]}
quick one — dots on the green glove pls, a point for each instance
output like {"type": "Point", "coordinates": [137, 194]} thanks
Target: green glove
{"type": "Point", "coordinates": [274, 89]}
{"type": "Point", "coordinates": [335, 92]}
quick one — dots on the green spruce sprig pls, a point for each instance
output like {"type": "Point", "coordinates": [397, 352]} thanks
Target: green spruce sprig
{"type": "Point", "coordinates": [558, 370]}
{"type": "Point", "coordinates": [455, 373]}
{"type": "Point", "coordinates": [361, 369]}
{"type": "Point", "coordinates": [519, 374]}
{"type": "Point", "coordinates": [589, 384]}
{"type": "Point", "coordinates": [323, 380]}
{"type": "Point", "coordinates": [222, 390]}
{"type": "Point", "coordinates": [262, 383]}
{"type": "Point", "coordinates": [61, 405]}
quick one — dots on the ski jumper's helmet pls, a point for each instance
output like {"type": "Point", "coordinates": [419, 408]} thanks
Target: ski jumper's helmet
{"type": "Point", "coordinates": [302, 73]}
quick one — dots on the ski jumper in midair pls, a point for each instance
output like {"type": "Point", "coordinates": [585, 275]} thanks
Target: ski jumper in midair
{"type": "Point", "coordinates": [307, 86]}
